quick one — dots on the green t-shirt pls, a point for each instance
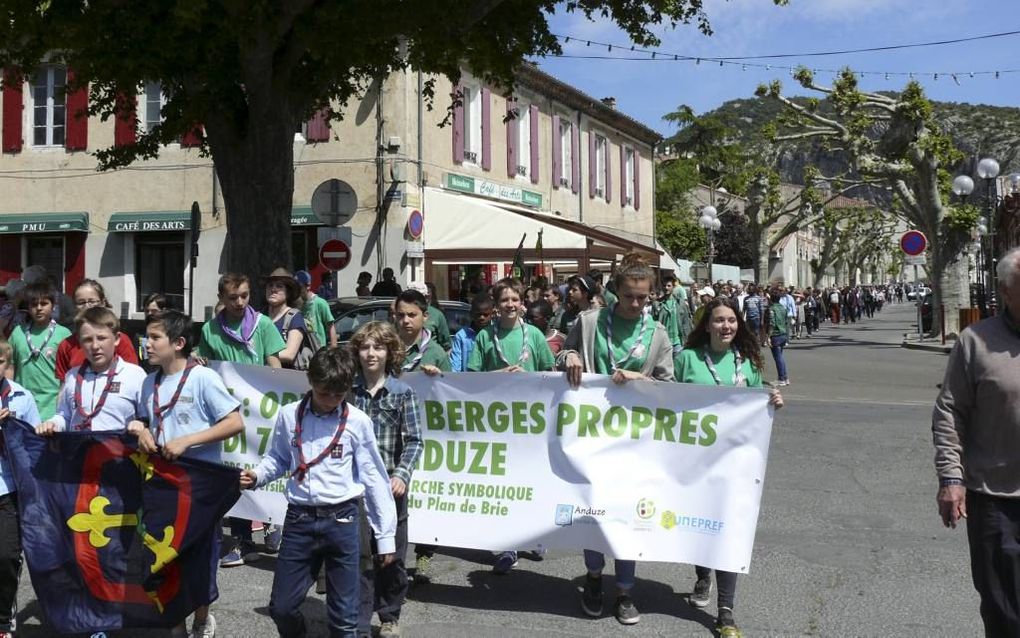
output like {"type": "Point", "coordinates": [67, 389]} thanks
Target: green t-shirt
{"type": "Point", "coordinates": [486, 358]}
{"type": "Point", "coordinates": [38, 373]}
{"type": "Point", "coordinates": [436, 323]}
{"type": "Point", "coordinates": [689, 367]}
{"type": "Point", "coordinates": [318, 318]}
{"type": "Point", "coordinates": [625, 334]}
{"type": "Point", "coordinates": [216, 345]}
{"type": "Point", "coordinates": [668, 319]}
{"type": "Point", "coordinates": [610, 297]}
{"type": "Point", "coordinates": [434, 355]}
{"type": "Point", "coordinates": [779, 320]}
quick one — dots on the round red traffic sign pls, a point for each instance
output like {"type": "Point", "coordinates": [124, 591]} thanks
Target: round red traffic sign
{"type": "Point", "coordinates": [913, 242]}
{"type": "Point", "coordinates": [334, 254]}
{"type": "Point", "coordinates": [415, 224]}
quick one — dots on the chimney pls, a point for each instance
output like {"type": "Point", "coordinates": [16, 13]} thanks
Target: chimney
{"type": "Point", "coordinates": [609, 101]}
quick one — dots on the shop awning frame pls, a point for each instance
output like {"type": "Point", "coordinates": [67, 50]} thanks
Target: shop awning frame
{"type": "Point", "coordinates": [149, 221]}
{"type": "Point", "coordinates": [66, 222]}
{"type": "Point", "coordinates": [303, 216]}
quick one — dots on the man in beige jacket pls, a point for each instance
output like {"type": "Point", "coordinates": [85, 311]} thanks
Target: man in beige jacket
{"type": "Point", "coordinates": [976, 428]}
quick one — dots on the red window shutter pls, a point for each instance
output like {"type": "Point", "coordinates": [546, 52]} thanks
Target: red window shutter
{"type": "Point", "coordinates": [74, 260]}
{"type": "Point", "coordinates": [10, 257]}
{"type": "Point", "coordinates": [609, 174]}
{"type": "Point", "coordinates": [12, 109]}
{"type": "Point", "coordinates": [533, 135]}
{"type": "Point", "coordinates": [317, 129]}
{"type": "Point", "coordinates": [458, 124]}
{"type": "Point", "coordinates": [592, 164]}
{"type": "Point", "coordinates": [193, 137]}
{"type": "Point", "coordinates": [512, 137]}
{"type": "Point", "coordinates": [77, 136]}
{"type": "Point", "coordinates": [575, 160]}
{"type": "Point", "coordinates": [557, 152]}
{"type": "Point", "coordinates": [637, 180]}
{"type": "Point", "coordinates": [486, 129]}
{"type": "Point", "coordinates": [125, 120]}
{"type": "Point", "coordinates": [623, 175]}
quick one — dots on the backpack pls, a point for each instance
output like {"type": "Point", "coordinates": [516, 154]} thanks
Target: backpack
{"type": "Point", "coordinates": [309, 345]}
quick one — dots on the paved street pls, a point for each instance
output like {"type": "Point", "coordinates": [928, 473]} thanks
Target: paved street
{"type": "Point", "coordinates": [849, 542]}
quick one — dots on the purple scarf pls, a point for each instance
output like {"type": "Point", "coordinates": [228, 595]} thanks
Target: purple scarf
{"type": "Point", "coordinates": [249, 322]}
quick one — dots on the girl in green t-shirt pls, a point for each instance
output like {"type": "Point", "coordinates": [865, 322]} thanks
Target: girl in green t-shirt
{"type": "Point", "coordinates": [721, 350]}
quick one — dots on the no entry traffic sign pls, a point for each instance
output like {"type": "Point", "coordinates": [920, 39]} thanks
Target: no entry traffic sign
{"type": "Point", "coordinates": [334, 255]}
{"type": "Point", "coordinates": [913, 242]}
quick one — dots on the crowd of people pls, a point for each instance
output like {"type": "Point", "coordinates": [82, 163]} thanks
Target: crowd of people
{"type": "Point", "coordinates": [358, 413]}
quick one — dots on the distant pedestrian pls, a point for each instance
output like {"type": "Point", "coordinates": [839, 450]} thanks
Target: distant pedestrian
{"type": "Point", "coordinates": [364, 278]}
{"type": "Point", "coordinates": [779, 334]}
{"type": "Point", "coordinates": [754, 310]}
{"type": "Point", "coordinates": [388, 287]}
{"type": "Point", "coordinates": [976, 430]}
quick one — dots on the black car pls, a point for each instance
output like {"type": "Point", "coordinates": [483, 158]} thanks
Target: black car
{"type": "Point", "coordinates": [350, 313]}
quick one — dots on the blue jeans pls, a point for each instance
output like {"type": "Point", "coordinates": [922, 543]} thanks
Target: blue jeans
{"type": "Point", "coordinates": [778, 342]}
{"type": "Point", "coordinates": [625, 569]}
{"type": "Point", "coordinates": [312, 536]}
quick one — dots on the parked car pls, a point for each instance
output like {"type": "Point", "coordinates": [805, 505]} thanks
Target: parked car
{"type": "Point", "coordinates": [922, 290]}
{"type": "Point", "coordinates": [350, 313]}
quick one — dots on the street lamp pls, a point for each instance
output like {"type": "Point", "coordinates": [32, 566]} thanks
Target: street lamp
{"type": "Point", "coordinates": [988, 170]}
{"type": "Point", "coordinates": [710, 221]}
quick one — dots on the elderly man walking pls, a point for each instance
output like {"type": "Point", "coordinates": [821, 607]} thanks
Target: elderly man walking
{"type": "Point", "coordinates": [976, 428]}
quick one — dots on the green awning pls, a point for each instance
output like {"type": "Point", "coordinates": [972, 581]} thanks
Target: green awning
{"type": "Point", "coordinates": [303, 216]}
{"type": "Point", "coordinates": [149, 221]}
{"type": "Point", "coordinates": [44, 223]}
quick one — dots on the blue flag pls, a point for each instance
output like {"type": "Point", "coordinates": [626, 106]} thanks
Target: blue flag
{"type": "Point", "coordinates": [115, 537]}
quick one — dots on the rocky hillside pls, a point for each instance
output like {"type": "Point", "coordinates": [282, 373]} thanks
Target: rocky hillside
{"type": "Point", "coordinates": [977, 130]}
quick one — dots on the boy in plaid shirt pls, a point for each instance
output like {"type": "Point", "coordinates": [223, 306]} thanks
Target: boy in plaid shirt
{"type": "Point", "coordinates": [393, 407]}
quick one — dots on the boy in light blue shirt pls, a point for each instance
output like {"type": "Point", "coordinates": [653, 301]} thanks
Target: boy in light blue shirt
{"type": "Point", "coordinates": [464, 341]}
{"type": "Point", "coordinates": [15, 402]}
{"type": "Point", "coordinates": [189, 412]}
{"type": "Point", "coordinates": [328, 449]}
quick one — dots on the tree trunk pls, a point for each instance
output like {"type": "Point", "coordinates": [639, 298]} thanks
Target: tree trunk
{"type": "Point", "coordinates": [256, 172]}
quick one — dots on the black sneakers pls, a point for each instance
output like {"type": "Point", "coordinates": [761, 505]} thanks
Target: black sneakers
{"type": "Point", "coordinates": [591, 596]}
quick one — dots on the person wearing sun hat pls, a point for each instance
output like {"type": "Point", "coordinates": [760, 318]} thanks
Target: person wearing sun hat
{"type": "Point", "coordinates": [705, 295]}
{"type": "Point", "coordinates": [318, 316]}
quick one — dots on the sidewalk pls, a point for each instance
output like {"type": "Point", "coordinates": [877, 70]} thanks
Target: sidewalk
{"type": "Point", "coordinates": [934, 344]}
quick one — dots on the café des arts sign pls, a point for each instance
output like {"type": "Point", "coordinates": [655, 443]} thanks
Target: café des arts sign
{"type": "Point", "coordinates": [493, 190]}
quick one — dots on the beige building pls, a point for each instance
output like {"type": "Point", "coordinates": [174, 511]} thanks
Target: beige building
{"type": "Point", "coordinates": [567, 166]}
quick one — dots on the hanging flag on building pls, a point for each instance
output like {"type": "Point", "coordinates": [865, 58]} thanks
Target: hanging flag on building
{"type": "Point", "coordinates": [114, 537]}
{"type": "Point", "coordinates": [538, 249]}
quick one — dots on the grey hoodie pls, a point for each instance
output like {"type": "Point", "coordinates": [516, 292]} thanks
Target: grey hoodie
{"type": "Point", "coordinates": [581, 340]}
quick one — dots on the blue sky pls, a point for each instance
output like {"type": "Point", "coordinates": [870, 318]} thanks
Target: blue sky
{"type": "Point", "coordinates": [647, 90]}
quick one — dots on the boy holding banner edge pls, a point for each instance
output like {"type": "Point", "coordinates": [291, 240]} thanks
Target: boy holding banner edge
{"type": "Point", "coordinates": [329, 450]}
{"type": "Point", "coordinates": [625, 342]}
{"type": "Point", "coordinates": [194, 413]}
{"type": "Point", "coordinates": [721, 350]}
{"type": "Point", "coordinates": [393, 407]}
{"type": "Point", "coordinates": [510, 345]}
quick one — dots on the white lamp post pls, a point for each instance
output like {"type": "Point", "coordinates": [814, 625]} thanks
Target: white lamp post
{"type": "Point", "coordinates": [710, 221]}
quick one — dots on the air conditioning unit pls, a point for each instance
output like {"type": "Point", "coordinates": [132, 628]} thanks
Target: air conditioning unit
{"type": "Point", "coordinates": [471, 156]}
{"type": "Point", "coordinates": [628, 201]}
{"type": "Point", "coordinates": [599, 192]}
{"type": "Point", "coordinates": [522, 170]}
{"type": "Point", "coordinates": [564, 181]}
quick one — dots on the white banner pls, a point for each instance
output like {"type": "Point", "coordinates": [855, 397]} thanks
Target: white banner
{"type": "Point", "coordinates": [646, 471]}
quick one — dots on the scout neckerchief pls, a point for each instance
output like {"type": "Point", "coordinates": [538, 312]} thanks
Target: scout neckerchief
{"type": "Point", "coordinates": [244, 336]}
{"type": "Point", "coordinates": [303, 465]}
{"type": "Point", "coordinates": [426, 336]}
{"type": "Point", "coordinates": [524, 345]}
{"type": "Point", "coordinates": [49, 335]}
{"type": "Point", "coordinates": [158, 411]}
{"type": "Point", "coordinates": [79, 380]}
{"type": "Point", "coordinates": [5, 393]}
{"type": "Point", "coordinates": [738, 373]}
{"type": "Point", "coordinates": [636, 350]}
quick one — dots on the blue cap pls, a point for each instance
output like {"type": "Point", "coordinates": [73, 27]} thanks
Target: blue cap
{"type": "Point", "coordinates": [303, 277]}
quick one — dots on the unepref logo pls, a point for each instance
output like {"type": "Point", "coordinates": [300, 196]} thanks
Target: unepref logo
{"type": "Point", "coordinates": [645, 509]}
{"type": "Point", "coordinates": [564, 515]}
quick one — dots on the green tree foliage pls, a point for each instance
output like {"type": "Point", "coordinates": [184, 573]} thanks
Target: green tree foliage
{"type": "Point", "coordinates": [734, 243]}
{"type": "Point", "coordinates": [249, 71]}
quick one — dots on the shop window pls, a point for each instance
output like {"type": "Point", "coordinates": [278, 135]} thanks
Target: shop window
{"type": "Point", "coordinates": [46, 251]}
{"type": "Point", "coordinates": [160, 261]}
{"type": "Point", "coordinates": [300, 254]}
{"type": "Point", "coordinates": [48, 108]}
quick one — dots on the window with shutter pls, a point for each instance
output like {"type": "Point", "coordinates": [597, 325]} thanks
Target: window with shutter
{"type": "Point", "coordinates": [48, 104]}
{"type": "Point", "coordinates": [13, 107]}
{"type": "Point", "coordinates": [601, 167]}
{"type": "Point", "coordinates": [523, 141]}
